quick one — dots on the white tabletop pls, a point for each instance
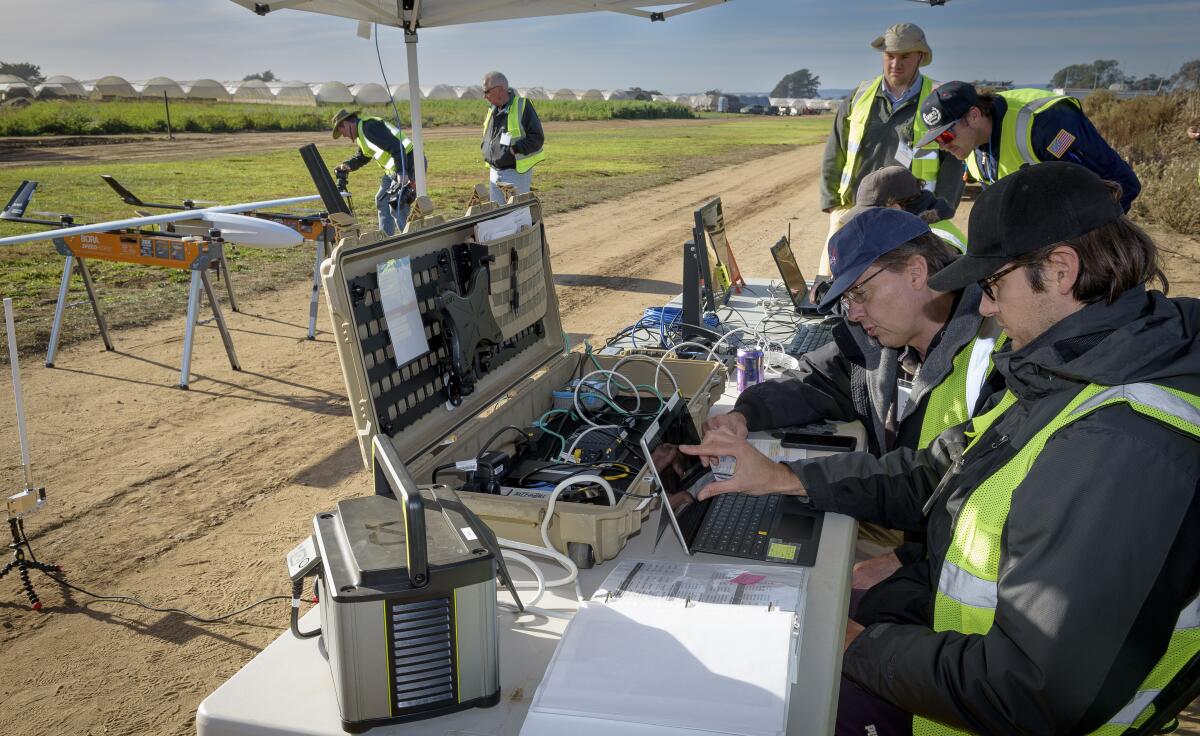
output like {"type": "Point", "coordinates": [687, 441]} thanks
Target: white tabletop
{"type": "Point", "coordinates": [288, 689]}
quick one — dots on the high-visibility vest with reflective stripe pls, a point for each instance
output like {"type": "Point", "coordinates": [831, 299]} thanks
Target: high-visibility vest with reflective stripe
{"type": "Point", "coordinates": [949, 232]}
{"type": "Point", "coordinates": [516, 111]}
{"type": "Point", "coordinates": [1016, 131]}
{"type": "Point", "coordinates": [380, 155]}
{"type": "Point", "coordinates": [967, 586]}
{"type": "Point", "coordinates": [924, 165]}
{"type": "Point", "coordinates": [952, 401]}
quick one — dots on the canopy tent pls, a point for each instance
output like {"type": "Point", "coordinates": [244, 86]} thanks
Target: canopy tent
{"type": "Point", "coordinates": [412, 15]}
{"type": "Point", "coordinates": [470, 92]}
{"type": "Point", "coordinates": [533, 93]}
{"type": "Point", "coordinates": [440, 92]}
{"type": "Point", "coordinates": [564, 94]}
{"type": "Point", "coordinates": [12, 87]}
{"type": "Point", "coordinates": [334, 93]}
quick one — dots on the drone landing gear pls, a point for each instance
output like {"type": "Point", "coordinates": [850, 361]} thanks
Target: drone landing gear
{"type": "Point", "coordinates": [22, 564]}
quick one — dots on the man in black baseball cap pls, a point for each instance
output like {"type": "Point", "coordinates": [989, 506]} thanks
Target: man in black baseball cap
{"type": "Point", "coordinates": [1060, 589]}
{"type": "Point", "coordinates": [998, 133]}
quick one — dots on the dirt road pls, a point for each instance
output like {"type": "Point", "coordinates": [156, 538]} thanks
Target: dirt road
{"type": "Point", "coordinates": [190, 499]}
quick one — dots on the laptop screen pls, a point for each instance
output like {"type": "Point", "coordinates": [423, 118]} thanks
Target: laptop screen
{"type": "Point", "coordinates": [677, 473]}
{"type": "Point", "coordinates": [793, 279]}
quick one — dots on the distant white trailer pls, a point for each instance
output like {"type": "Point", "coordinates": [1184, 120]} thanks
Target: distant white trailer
{"type": "Point", "coordinates": [60, 87]}
{"type": "Point", "coordinates": [113, 88]}
{"type": "Point", "coordinates": [206, 89]}
{"type": "Point", "coordinates": [370, 94]}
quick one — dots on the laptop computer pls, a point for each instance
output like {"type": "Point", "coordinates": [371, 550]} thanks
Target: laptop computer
{"type": "Point", "coordinates": [793, 277]}
{"type": "Point", "coordinates": [773, 528]}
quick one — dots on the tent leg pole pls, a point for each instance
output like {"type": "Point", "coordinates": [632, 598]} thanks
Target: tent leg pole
{"type": "Point", "coordinates": [414, 106]}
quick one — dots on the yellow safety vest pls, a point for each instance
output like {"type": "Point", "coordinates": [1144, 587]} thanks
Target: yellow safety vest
{"type": "Point", "coordinates": [1016, 130]}
{"type": "Point", "coordinates": [967, 586]}
{"type": "Point", "coordinates": [380, 155]}
{"type": "Point", "coordinates": [949, 232]}
{"type": "Point", "coordinates": [516, 111]}
{"type": "Point", "coordinates": [950, 403]}
{"type": "Point", "coordinates": [924, 165]}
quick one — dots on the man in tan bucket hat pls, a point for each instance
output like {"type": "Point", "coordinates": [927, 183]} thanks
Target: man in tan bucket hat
{"type": "Point", "coordinates": [876, 125]}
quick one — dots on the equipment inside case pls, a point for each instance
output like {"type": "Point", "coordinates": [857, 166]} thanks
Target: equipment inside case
{"type": "Point", "coordinates": [492, 355]}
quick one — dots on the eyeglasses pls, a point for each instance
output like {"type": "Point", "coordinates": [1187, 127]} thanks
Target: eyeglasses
{"type": "Point", "coordinates": [992, 280]}
{"type": "Point", "coordinates": [947, 135]}
{"type": "Point", "coordinates": [856, 294]}
{"type": "Point", "coordinates": [489, 90]}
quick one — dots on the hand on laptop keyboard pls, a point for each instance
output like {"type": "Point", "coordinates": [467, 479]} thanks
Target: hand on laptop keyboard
{"type": "Point", "coordinates": [752, 472]}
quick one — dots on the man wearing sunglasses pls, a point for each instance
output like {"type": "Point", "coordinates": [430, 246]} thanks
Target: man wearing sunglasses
{"type": "Point", "coordinates": [512, 138]}
{"type": "Point", "coordinates": [908, 362]}
{"type": "Point", "coordinates": [1059, 594]}
{"type": "Point", "coordinates": [875, 126]}
{"type": "Point", "coordinates": [998, 133]}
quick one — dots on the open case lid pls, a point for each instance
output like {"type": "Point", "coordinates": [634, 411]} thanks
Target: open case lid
{"type": "Point", "coordinates": [487, 310]}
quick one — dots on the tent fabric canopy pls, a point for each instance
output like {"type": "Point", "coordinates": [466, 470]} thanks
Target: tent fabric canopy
{"type": "Point", "coordinates": [436, 13]}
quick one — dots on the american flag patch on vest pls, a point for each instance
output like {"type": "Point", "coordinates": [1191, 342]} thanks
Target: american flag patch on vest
{"type": "Point", "coordinates": [1060, 144]}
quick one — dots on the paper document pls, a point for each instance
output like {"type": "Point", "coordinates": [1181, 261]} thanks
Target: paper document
{"type": "Point", "coordinates": [662, 584]}
{"type": "Point", "coordinates": [400, 310]}
{"type": "Point", "coordinates": [720, 670]}
{"type": "Point", "coordinates": [501, 227]}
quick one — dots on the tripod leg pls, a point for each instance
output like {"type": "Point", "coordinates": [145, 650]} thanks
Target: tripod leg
{"type": "Point", "coordinates": [26, 584]}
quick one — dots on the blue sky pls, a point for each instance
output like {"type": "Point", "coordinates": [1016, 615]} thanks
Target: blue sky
{"type": "Point", "coordinates": [742, 45]}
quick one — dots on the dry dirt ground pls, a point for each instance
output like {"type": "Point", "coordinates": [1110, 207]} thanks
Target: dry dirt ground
{"type": "Point", "coordinates": [190, 499]}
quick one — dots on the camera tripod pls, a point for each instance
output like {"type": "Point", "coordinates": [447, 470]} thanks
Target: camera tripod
{"type": "Point", "coordinates": [24, 559]}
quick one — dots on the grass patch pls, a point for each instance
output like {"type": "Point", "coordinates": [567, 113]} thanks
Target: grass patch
{"type": "Point", "coordinates": [60, 117]}
{"type": "Point", "coordinates": [1150, 133]}
{"type": "Point", "coordinates": [584, 167]}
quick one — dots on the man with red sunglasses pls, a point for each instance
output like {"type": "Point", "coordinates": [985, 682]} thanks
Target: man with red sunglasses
{"type": "Point", "coordinates": [998, 133]}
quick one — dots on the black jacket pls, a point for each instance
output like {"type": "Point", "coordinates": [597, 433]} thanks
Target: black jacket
{"type": "Point", "coordinates": [854, 378]}
{"type": "Point", "coordinates": [500, 156]}
{"type": "Point", "coordinates": [1101, 548]}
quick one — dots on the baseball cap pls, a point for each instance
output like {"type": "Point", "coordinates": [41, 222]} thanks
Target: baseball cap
{"type": "Point", "coordinates": [894, 184]}
{"type": "Point", "coordinates": [902, 38]}
{"type": "Point", "coordinates": [1030, 208]}
{"type": "Point", "coordinates": [944, 107]}
{"type": "Point", "coordinates": [866, 236]}
{"type": "Point", "coordinates": [338, 117]}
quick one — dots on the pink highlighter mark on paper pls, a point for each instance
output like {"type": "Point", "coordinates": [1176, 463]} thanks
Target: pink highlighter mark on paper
{"type": "Point", "coordinates": [747, 578]}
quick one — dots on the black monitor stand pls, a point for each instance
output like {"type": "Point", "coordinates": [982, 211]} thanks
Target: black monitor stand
{"type": "Point", "coordinates": [697, 291]}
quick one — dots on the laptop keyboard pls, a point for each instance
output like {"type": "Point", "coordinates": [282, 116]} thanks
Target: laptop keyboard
{"type": "Point", "coordinates": [809, 337]}
{"type": "Point", "coordinates": [734, 525]}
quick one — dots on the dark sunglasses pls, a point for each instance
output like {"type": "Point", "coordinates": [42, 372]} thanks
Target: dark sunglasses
{"type": "Point", "coordinates": [947, 135]}
{"type": "Point", "coordinates": [990, 281]}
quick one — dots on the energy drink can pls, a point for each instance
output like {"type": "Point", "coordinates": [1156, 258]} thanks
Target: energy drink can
{"type": "Point", "coordinates": [749, 367]}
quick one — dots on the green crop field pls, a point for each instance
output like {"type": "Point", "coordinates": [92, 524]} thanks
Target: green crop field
{"type": "Point", "coordinates": [585, 166]}
{"type": "Point", "coordinates": [109, 118]}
